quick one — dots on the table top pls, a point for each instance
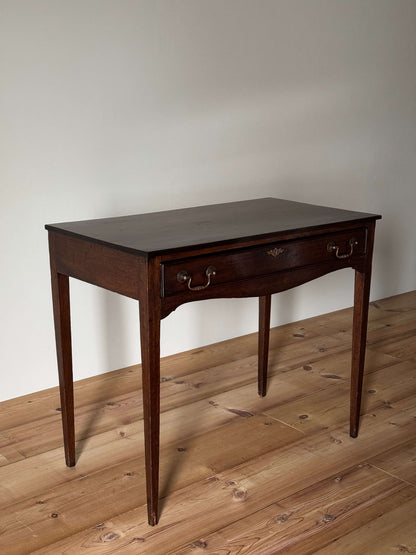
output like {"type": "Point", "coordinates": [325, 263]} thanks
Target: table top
{"type": "Point", "coordinates": [162, 232]}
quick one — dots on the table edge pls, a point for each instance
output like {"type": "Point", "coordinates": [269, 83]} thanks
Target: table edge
{"type": "Point", "coordinates": [230, 242]}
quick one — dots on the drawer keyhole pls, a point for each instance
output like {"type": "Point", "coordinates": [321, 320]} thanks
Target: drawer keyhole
{"type": "Point", "coordinates": [276, 252]}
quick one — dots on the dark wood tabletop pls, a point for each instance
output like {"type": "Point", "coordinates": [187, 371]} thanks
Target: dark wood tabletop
{"type": "Point", "coordinates": [162, 232]}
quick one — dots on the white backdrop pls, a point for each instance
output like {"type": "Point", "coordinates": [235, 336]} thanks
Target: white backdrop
{"type": "Point", "coordinates": [110, 108]}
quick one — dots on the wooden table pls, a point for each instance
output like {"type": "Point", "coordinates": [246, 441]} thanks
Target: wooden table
{"type": "Point", "coordinates": [164, 259]}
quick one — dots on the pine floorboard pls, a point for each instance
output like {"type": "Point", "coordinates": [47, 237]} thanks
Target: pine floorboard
{"type": "Point", "coordinates": [239, 474]}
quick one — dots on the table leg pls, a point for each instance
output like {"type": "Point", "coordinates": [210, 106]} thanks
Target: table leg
{"type": "Point", "coordinates": [150, 347]}
{"type": "Point", "coordinates": [62, 318]}
{"type": "Point", "coordinates": [360, 318]}
{"type": "Point", "coordinates": [264, 333]}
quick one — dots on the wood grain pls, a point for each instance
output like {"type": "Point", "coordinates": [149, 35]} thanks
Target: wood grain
{"type": "Point", "coordinates": [239, 473]}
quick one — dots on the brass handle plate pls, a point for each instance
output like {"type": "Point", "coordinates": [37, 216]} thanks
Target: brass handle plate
{"type": "Point", "coordinates": [333, 247]}
{"type": "Point", "coordinates": [184, 277]}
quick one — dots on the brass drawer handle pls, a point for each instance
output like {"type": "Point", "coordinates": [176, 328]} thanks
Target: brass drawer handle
{"type": "Point", "coordinates": [184, 277]}
{"type": "Point", "coordinates": [331, 247]}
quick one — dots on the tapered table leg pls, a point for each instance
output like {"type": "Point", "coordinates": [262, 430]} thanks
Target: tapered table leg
{"type": "Point", "coordinates": [359, 334]}
{"type": "Point", "coordinates": [62, 319]}
{"type": "Point", "coordinates": [360, 318]}
{"type": "Point", "coordinates": [150, 347]}
{"type": "Point", "coordinates": [264, 334]}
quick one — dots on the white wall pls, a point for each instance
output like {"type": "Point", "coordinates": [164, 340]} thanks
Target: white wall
{"type": "Point", "coordinates": [111, 108]}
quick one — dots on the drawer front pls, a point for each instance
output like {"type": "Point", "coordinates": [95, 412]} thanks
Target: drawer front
{"type": "Point", "coordinates": [233, 265]}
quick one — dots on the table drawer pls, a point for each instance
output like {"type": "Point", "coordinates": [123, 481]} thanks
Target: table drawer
{"type": "Point", "coordinates": [200, 272]}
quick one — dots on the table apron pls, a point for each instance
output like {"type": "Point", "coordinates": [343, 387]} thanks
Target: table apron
{"type": "Point", "coordinates": [262, 285]}
{"type": "Point", "coordinates": [97, 264]}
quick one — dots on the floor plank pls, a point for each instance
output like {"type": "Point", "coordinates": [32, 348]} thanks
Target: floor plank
{"type": "Point", "coordinates": [399, 463]}
{"type": "Point", "coordinates": [239, 473]}
{"type": "Point", "coordinates": [311, 518]}
{"type": "Point", "coordinates": [213, 503]}
{"type": "Point", "coordinates": [392, 532]}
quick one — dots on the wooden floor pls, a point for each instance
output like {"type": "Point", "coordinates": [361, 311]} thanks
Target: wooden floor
{"type": "Point", "coordinates": [239, 474]}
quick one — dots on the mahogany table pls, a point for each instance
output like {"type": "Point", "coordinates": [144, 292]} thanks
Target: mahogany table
{"type": "Point", "coordinates": [239, 249]}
